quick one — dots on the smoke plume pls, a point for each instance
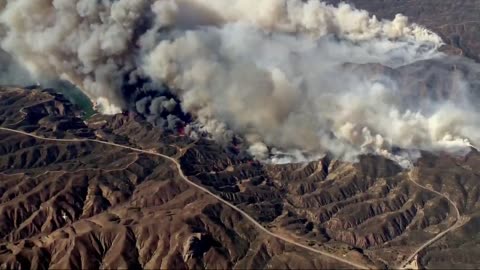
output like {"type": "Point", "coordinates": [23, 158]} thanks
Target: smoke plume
{"type": "Point", "coordinates": [295, 79]}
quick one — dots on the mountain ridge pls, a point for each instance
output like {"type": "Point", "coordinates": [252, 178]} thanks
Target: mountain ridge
{"type": "Point", "coordinates": [369, 211]}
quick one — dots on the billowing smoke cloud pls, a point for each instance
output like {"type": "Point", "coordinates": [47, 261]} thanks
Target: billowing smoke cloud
{"type": "Point", "coordinates": [161, 111]}
{"type": "Point", "coordinates": [89, 43]}
{"type": "Point", "coordinates": [289, 76]}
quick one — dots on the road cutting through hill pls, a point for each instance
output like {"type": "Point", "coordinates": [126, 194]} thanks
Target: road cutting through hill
{"type": "Point", "coordinates": [458, 222]}
{"type": "Point", "coordinates": [205, 190]}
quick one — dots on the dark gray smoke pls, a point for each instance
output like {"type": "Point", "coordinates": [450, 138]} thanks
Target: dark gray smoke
{"type": "Point", "coordinates": [161, 111]}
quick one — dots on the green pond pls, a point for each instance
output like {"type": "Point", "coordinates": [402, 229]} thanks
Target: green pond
{"type": "Point", "coordinates": [75, 96]}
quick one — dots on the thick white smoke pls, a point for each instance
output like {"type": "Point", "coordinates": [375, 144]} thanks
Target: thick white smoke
{"type": "Point", "coordinates": [89, 43]}
{"type": "Point", "coordinates": [296, 76]}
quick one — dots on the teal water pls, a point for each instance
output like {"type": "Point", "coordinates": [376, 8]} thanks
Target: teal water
{"type": "Point", "coordinates": [75, 96]}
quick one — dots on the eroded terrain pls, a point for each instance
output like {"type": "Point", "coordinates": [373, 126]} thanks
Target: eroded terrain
{"type": "Point", "coordinates": [99, 193]}
{"type": "Point", "coordinates": [72, 201]}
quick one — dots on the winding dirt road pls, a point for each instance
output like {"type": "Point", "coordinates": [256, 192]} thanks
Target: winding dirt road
{"type": "Point", "coordinates": [458, 223]}
{"type": "Point", "coordinates": [185, 178]}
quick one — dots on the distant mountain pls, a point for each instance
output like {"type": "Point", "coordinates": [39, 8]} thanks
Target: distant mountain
{"type": "Point", "coordinates": [456, 21]}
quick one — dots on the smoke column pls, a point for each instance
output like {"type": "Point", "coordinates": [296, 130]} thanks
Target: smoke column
{"type": "Point", "coordinates": [290, 76]}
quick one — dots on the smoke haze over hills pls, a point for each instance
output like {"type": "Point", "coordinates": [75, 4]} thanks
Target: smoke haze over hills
{"type": "Point", "coordinates": [287, 75]}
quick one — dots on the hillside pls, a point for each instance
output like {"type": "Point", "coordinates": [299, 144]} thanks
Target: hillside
{"type": "Point", "coordinates": [93, 195]}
